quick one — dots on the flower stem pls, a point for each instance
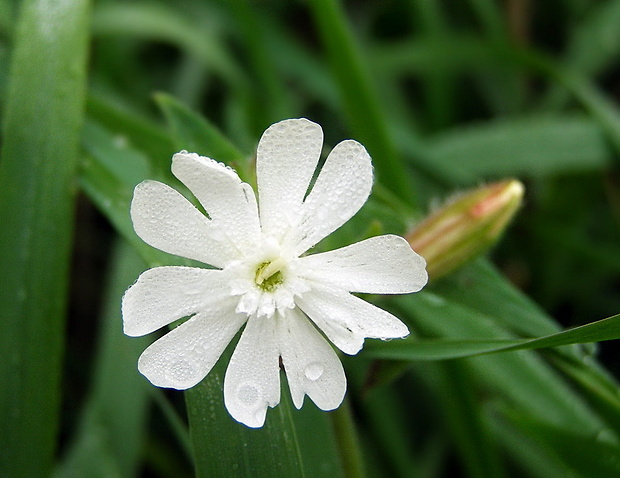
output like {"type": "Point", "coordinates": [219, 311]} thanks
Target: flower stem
{"type": "Point", "coordinates": [347, 440]}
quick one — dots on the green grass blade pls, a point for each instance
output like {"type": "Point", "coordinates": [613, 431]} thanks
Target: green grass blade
{"type": "Point", "coordinates": [592, 98]}
{"type": "Point", "coordinates": [132, 129]}
{"type": "Point", "coordinates": [273, 100]}
{"type": "Point", "coordinates": [223, 446]}
{"type": "Point", "coordinates": [43, 115]}
{"type": "Point", "coordinates": [463, 413]}
{"type": "Point", "coordinates": [522, 378]}
{"type": "Point", "coordinates": [161, 22]}
{"type": "Point", "coordinates": [361, 103]}
{"type": "Point", "coordinates": [597, 387]}
{"type": "Point", "coordinates": [195, 134]}
{"type": "Point", "coordinates": [440, 349]}
{"type": "Point", "coordinates": [594, 45]}
{"type": "Point", "coordinates": [109, 440]}
{"type": "Point", "coordinates": [533, 146]}
{"type": "Point", "coordinates": [480, 286]}
{"type": "Point", "coordinates": [586, 454]}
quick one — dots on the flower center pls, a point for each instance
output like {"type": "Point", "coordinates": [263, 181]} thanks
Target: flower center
{"type": "Point", "coordinates": [269, 275]}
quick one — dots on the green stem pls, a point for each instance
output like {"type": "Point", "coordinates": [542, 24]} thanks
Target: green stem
{"type": "Point", "coordinates": [347, 440]}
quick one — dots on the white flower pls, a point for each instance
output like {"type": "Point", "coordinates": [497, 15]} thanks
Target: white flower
{"type": "Point", "coordinates": [288, 302]}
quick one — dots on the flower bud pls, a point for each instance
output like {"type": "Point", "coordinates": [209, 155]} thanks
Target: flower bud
{"type": "Point", "coordinates": [466, 226]}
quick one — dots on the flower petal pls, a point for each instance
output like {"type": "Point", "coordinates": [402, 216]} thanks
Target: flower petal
{"type": "Point", "coordinates": [252, 381]}
{"type": "Point", "coordinates": [228, 201]}
{"type": "Point", "coordinates": [286, 159]}
{"type": "Point", "coordinates": [379, 265]}
{"type": "Point", "coordinates": [165, 294]}
{"type": "Point", "coordinates": [186, 354]}
{"type": "Point", "coordinates": [165, 219]}
{"type": "Point", "coordinates": [312, 367]}
{"type": "Point", "coordinates": [341, 189]}
{"type": "Point", "coordinates": [347, 320]}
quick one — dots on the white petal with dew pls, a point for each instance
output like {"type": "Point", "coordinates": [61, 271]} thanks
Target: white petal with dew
{"type": "Point", "coordinates": [346, 320]}
{"type": "Point", "coordinates": [228, 201]}
{"type": "Point", "coordinates": [186, 354]}
{"type": "Point", "coordinates": [165, 219]}
{"type": "Point", "coordinates": [252, 381]}
{"type": "Point", "coordinates": [379, 265]}
{"type": "Point", "coordinates": [312, 367]}
{"type": "Point", "coordinates": [165, 294]}
{"type": "Point", "coordinates": [286, 159]}
{"type": "Point", "coordinates": [341, 189]}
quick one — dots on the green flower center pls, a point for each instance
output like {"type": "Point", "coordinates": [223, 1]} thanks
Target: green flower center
{"type": "Point", "coordinates": [269, 275]}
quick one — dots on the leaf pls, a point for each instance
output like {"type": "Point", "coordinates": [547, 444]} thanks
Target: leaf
{"type": "Point", "coordinates": [222, 446]}
{"type": "Point", "coordinates": [441, 349]}
{"type": "Point", "coordinates": [358, 95]}
{"type": "Point", "coordinates": [108, 178]}
{"type": "Point", "coordinates": [480, 286]}
{"type": "Point", "coordinates": [520, 378]}
{"type": "Point", "coordinates": [600, 106]}
{"type": "Point", "coordinates": [115, 155]}
{"type": "Point", "coordinates": [42, 119]}
{"type": "Point", "coordinates": [110, 437]}
{"type": "Point", "coordinates": [195, 134]}
{"type": "Point", "coordinates": [137, 132]}
{"type": "Point", "coordinates": [593, 45]}
{"type": "Point", "coordinates": [536, 146]}
{"type": "Point", "coordinates": [163, 23]}
{"type": "Point", "coordinates": [586, 454]}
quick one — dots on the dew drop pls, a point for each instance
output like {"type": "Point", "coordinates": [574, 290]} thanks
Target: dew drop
{"type": "Point", "coordinates": [314, 371]}
{"type": "Point", "coordinates": [182, 370]}
{"type": "Point", "coordinates": [248, 394]}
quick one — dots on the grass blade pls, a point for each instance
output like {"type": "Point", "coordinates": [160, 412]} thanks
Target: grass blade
{"type": "Point", "coordinates": [109, 440]}
{"type": "Point", "coordinates": [360, 102]}
{"type": "Point", "coordinates": [223, 447]}
{"type": "Point", "coordinates": [42, 120]}
{"type": "Point", "coordinates": [440, 349]}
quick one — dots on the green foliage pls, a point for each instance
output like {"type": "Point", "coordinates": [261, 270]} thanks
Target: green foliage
{"type": "Point", "coordinates": [43, 113]}
{"type": "Point", "coordinates": [508, 370]}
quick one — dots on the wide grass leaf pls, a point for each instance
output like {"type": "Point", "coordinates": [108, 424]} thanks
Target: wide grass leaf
{"type": "Point", "coordinates": [110, 437]}
{"type": "Point", "coordinates": [42, 118]}
{"type": "Point", "coordinates": [223, 447]}
{"type": "Point", "coordinates": [536, 146]}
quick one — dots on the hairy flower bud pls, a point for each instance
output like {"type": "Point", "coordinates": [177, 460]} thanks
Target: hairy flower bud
{"type": "Point", "coordinates": [466, 226]}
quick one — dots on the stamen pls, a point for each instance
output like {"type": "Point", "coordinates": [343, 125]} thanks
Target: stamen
{"type": "Point", "coordinates": [269, 274]}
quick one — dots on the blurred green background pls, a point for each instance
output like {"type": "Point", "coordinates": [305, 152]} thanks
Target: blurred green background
{"type": "Point", "coordinates": [96, 96]}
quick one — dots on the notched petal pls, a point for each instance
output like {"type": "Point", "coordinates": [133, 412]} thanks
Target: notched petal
{"type": "Point", "coordinates": [164, 294]}
{"type": "Point", "coordinates": [312, 367]}
{"type": "Point", "coordinates": [252, 381]}
{"type": "Point", "coordinates": [341, 189]}
{"type": "Point", "coordinates": [347, 320]}
{"type": "Point", "coordinates": [379, 265]}
{"type": "Point", "coordinates": [228, 201]}
{"type": "Point", "coordinates": [186, 354]}
{"type": "Point", "coordinates": [166, 220]}
{"type": "Point", "coordinates": [286, 159]}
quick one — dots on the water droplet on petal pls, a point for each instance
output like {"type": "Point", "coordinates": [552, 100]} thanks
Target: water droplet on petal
{"type": "Point", "coordinates": [248, 394]}
{"type": "Point", "coordinates": [182, 370]}
{"type": "Point", "coordinates": [314, 371]}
